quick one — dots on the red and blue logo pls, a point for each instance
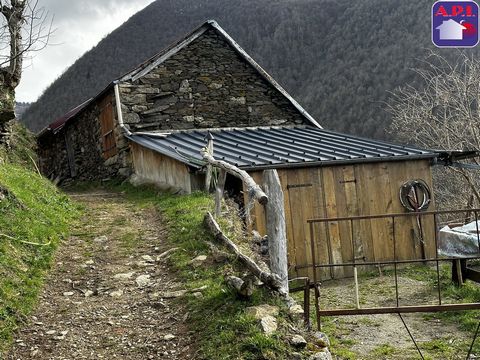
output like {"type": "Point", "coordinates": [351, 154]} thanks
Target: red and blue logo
{"type": "Point", "coordinates": [455, 24]}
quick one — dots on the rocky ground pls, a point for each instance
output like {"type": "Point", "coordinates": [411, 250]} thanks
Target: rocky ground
{"type": "Point", "coordinates": [107, 296]}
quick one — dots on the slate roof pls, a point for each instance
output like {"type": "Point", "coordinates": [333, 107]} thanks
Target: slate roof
{"type": "Point", "coordinates": [277, 147]}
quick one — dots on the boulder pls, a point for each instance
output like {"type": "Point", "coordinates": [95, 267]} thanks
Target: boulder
{"type": "Point", "coordinates": [268, 324]}
{"type": "Point", "coordinates": [260, 311]}
{"type": "Point", "coordinates": [298, 341]}
{"type": "Point", "coordinates": [321, 339]}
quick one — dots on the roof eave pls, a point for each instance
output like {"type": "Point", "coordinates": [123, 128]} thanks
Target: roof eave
{"type": "Point", "coordinates": [307, 164]}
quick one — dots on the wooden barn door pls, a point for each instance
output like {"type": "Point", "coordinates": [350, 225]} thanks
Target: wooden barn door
{"type": "Point", "coordinates": [107, 128]}
{"type": "Point", "coordinates": [324, 193]}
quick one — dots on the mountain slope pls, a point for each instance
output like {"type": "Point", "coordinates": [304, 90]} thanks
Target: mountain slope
{"type": "Point", "coordinates": [338, 58]}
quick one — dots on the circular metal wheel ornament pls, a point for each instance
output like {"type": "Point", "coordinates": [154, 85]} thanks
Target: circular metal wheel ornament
{"type": "Point", "coordinates": [415, 195]}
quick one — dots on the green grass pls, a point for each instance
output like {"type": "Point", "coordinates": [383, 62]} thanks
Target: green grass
{"type": "Point", "coordinates": [22, 147]}
{"type": "Point", "coordinates": [218, 318]}
{"type": "Point", "coordinates": [384, 350]}
{"type": "Point", "coordinates": [33, 212]}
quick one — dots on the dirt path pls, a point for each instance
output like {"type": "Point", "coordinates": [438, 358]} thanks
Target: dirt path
{"type": "Point", "coordinates": [101, 299]}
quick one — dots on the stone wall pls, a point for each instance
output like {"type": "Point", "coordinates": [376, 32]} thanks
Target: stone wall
{"type": "Point", "coordinates": [84, 139]}
{"type": "Point", "coordinates": [206, 84]}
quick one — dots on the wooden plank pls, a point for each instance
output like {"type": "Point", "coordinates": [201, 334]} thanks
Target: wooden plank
{"type": "Point", "coordinates": [407, 230]}
{"type": "Point", "coordinates": [428, 221]}
{"type": "Point", "coordinates": [351, 199]}
{"type": "Point", "coordinates": [342, 210]}
{"type": "Point", "coordinates": [288, 222]}
{"type": "Point", "coordinates": [364, 208]}
{"type": "Point", "coordinates": [106, 120]}
{"type": "Point", "coordinates": [159, 169]}
{"type": "Point", "coordinates": [307, 195]}
{"type": "Point", "coordinates": [299, 216]}
{"type": "Point", "coordinates": [333, 226]}
{"type": "Point", "coordinates": [405, 248]}
{"type": "Point", "coordinates": [320, 229]}
{"type": "Point", "coordinates": [378, 188]}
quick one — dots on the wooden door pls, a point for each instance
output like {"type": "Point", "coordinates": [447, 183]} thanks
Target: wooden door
{"type": "Point", "coordinates": [107, 128]}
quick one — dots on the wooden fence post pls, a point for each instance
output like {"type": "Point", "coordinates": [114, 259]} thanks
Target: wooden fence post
{"type": "Point", "coordinates": [208, 175]}
{"type": "Point", "coordinates": [222, 176]}
{"type": "Point", "coordinates": [276, 228]}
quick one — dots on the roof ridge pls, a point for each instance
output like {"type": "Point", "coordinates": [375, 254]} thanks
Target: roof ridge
{"type": "Point", "coordinates": [218, 129]}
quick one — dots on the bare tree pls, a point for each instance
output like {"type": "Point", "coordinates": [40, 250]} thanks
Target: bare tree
{"type": "Point", "coordinates": [443, 113]}
{"type": "Point", "coordinates": [24, 27]}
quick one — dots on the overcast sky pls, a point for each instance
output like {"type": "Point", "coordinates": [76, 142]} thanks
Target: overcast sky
{"type": "Point", "coordinates": [80, 25]}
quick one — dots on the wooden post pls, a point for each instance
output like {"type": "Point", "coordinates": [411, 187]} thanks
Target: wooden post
{"type": "Point", "coordinates": [222, 177]}
{"type": "Point", "coordinates": [276, 229]}
{"type": "Point", "coordinates": [357, 296]}
{"type": "Point", "coordinates": [208, 176]}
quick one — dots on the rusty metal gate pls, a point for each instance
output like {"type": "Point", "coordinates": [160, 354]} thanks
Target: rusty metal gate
{"type": "Point", "coordinates": [428, 238]}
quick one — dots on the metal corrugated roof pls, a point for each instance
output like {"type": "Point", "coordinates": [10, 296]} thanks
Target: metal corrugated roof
{"type": "Point", "coordinates": [276, 147]}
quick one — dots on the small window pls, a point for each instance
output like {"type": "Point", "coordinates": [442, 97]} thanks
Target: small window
{"type": "Point", "coordinates": [107, 127]}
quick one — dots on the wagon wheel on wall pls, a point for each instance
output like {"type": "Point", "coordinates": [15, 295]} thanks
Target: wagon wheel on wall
{"type": "Point", "coordinates": [415, 196]}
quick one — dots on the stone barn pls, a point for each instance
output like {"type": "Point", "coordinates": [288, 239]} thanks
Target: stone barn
{"type": "Point", "coordinates": [203, 81]}
{"type": "Point", "coordinates": [152, 123]}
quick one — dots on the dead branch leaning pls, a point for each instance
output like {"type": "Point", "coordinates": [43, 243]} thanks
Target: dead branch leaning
{"type": "Point", "coordinates": [273, 281]}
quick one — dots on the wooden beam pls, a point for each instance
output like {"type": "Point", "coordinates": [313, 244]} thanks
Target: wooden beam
{"type": "Point", "coordinates": [273, 281]}
{"type": "Point", "coordinates": [276, 229]}
{"type": "Point", "coordinates": [253, 189]}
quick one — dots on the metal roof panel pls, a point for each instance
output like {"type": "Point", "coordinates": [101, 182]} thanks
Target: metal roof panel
{"type": "Point", "coordinates": [277, 147]}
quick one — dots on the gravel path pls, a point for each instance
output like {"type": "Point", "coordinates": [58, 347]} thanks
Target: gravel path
{"type": "Point", "coordinates": [103, 297]}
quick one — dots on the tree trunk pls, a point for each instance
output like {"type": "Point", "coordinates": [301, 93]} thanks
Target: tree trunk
{"type": "Point", "coordinates": [7, 108]}
{"type": "Point", "coordinates": [11, 73]}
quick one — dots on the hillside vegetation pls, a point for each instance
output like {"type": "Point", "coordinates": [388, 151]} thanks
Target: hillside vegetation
{"type": "Point", "coordinates": [34, 217]}
{"type": "Point", "coordinates": [339, 58]}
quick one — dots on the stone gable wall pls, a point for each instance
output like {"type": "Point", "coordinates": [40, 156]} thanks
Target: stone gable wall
{"type": "Point", "coordinates": [206, 84]}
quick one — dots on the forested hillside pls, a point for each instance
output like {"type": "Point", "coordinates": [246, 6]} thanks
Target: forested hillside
{"type": "Point", "coordinates": [339, 58]}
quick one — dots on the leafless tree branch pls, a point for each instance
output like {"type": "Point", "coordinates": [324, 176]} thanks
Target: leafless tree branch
{"type": "Point", "coordinates": [444, 113]}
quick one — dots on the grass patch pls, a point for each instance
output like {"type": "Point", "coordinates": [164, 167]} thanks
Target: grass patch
{"type": "Point", "coordinates": [218, 318]}
{"type": "Point", "coordinates": [469, 292]}
{"type": "Point", "coordinates": [33, 211]}
{"type": "Point", "coordinates": [384, 350]}
{"type": "Point", "coordinates": [22, 147]}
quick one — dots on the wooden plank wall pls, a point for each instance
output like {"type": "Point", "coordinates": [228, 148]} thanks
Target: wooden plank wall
{"type": "Point", "coordinates": [160, 170]}
{"type": "Point", "coordinates": [362, 189]}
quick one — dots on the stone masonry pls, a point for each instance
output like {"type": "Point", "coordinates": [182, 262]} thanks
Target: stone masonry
{"type": "Point", "coordinates": [205, 85]}
{"type": "Point", "coordinates": [85, 143]}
